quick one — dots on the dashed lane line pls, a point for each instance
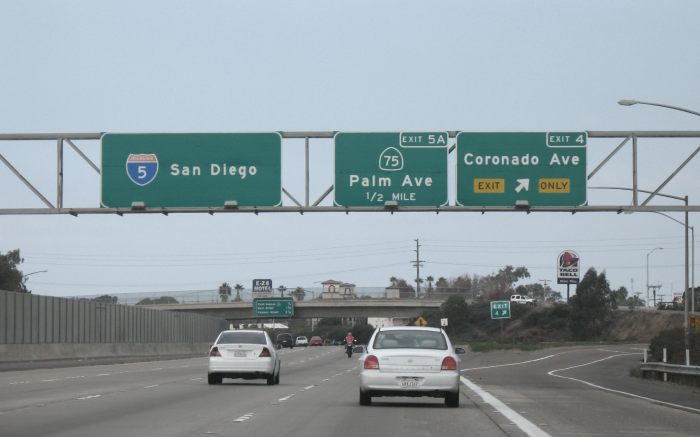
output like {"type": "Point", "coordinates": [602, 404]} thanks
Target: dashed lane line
{"type": "Point", "coordinates": [244, 417]}
{"type": "Point", "coordinates": [286, 398]}
{"type": "Point", "coordinates": [88, 397]}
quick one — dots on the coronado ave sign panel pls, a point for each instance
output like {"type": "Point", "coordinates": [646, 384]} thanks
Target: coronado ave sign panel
{"type": "Point", "coordinates": [532, 168]}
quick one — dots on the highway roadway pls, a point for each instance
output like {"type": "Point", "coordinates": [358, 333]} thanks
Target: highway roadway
{"type": "Point", "coordinates": [560, 392]}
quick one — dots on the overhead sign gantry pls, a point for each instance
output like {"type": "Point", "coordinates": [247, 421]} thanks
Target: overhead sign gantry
{"type": "Point", "coordinates": [380, 171]}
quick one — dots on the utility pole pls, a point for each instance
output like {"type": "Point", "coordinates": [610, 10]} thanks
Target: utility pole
{"type": "Point", "coordinates": [417, 264]}
{"type": "Point", "coordinates": [544, 290]}
{"type": "Point", "coordinates": [654, 289]}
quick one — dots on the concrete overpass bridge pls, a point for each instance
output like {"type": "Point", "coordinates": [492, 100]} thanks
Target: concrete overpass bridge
{"type": "Point", "coordinates": [315, 308]}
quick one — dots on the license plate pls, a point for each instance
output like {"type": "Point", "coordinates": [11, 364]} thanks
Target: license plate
{"type": "Point", "coordinates": [239, 354]}
{"type": "Point", "coordinates": [410, 382]}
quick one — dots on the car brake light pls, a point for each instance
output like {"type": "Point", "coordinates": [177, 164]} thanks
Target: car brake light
{"type": "Point", "coordinates": [215, 352]}
{"type": "Point", "coordinates": [265, 353]}
{"type": "Point", "coordinates": [371, 362]}
{"type": "Point", "coordinates": [449, 363]}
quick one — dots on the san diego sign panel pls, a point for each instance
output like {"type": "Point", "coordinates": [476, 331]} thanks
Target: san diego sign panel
{"type": "Point", "coordinates": [191, 170]}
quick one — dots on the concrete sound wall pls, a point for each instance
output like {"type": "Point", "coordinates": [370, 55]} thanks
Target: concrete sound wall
{"type": "Point", "coordinates": [44, 327]}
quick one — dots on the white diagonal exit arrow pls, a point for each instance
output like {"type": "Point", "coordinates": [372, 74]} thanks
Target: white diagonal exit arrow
{"type": "Point", "coordinates": [522, 184]}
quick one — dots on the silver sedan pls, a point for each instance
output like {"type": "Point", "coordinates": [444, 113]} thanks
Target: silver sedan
{"type": "Point", "coordinates": [410, 361]}
{"type": "Point", "coordinates": [247, 354]}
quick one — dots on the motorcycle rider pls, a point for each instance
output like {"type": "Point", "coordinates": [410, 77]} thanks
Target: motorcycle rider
{"type": "Point", "coordinates": [349, 341]}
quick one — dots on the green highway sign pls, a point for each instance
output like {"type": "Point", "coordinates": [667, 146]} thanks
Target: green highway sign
{"type": "Point", "coordinates": [500, 309]}
{"type": "Point", "coordinates": [191, 170]}
{"type": "Point", "coordinates": [539, 168]}
{"type": "Point", "coordinates": [409, 168]}
{"type": "Point", "coordinates": [273, 307]}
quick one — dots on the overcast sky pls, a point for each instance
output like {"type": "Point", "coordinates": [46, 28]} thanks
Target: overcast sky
{"type": "Point", "coordinates": [233, 66]}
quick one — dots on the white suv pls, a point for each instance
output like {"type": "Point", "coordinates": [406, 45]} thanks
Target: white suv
{"type": "Point", "coordinates": [518, 298]}
{"type": "Point", "coordinates": [301, 341]}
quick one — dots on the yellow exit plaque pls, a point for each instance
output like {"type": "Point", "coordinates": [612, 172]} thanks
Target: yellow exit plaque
{"type": "Point", "coordinates": [489, 185]}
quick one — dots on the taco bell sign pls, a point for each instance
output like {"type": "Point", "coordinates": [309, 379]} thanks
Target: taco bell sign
{"type": "Point", "coordinates": [568, 267]}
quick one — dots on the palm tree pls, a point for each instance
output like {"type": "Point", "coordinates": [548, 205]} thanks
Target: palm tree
{"type": "Point", "coordinates": [393, 280]}
{"type": "Point", "coordinates": [282, 289]}
{"type": "Point", "coordinates": [430, 280]}
{"type": "Point", "coordinates": [298, 293]}
{"type": "Point", "coordinates": [224, 291]}
{"type": "Point", "coordinates": [238, 288]}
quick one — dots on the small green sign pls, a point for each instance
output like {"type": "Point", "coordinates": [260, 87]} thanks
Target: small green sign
{"type": "Point", "coordinates": [500, 309]}
{"type": "Point", "coordinates": [409, 168]}
{"type": "Point", "coordinates": [191, 170]}
{"type": "Point", "coordinates": [535, 168]}
{"type": "Point", "coordinates": [273, 307]}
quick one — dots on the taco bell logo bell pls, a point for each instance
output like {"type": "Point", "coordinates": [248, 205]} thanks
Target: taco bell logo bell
{"type": "Point", "coordinates": [142, 168]}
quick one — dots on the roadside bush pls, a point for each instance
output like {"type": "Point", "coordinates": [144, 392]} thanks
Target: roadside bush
{"type": "Point", "coordinates": [674, 342]}
{"type": "Point", "coordinates": [554, 318]}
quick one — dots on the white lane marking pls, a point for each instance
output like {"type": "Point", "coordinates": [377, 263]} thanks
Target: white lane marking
{"type": "Point", "coordinates": [50, 380]}
{"type": "Point", "coordinates": [244, 417]}
{"type": "Point", "coordinates": [308, 388]}
{"type": "Point", "coordinates": [327, 379]}
{"type": "Point", "coordinates": [525, 425]}
{"type": "Point", "coordinates": [104, 374]}
{"type": "Point", "coordinates": [600, 387]}
{"type": "Point", "coordinates": [75, 377]}
{"type": "Point", "coordinates": [196, 379]}
{"type": "Point", "coordinates": [286, 398]}
{"type": "Point", "coordinates": [151, 386]}
{"type": "Point", "coordinates": [88, 397]}
{"type": "Point", "coordinates": [19, 382]}
{"type": "Point", "coordinates": [512, 364]}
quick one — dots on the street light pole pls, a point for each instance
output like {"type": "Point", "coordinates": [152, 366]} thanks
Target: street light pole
{"type": "Point", "coordinates": [625, 102]}
{"type": "Point", "coordinates": [34, 273]}
{"type": "Point", "coordinates": [652, 251]}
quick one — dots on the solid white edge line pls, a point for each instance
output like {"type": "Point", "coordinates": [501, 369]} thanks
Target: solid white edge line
{"type": "Point", "coordinates": [511, 364]}
{"type": "Point", "coordinates": [632, 395]}
{"type": "Point", "coordinates": [525, 425]}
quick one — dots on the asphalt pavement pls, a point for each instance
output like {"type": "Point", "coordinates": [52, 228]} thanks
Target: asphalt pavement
{"type": "Point", "coordinates": [558, 392]}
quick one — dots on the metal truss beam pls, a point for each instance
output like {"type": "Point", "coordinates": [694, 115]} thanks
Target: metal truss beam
{"type": "Point", "coordinates": [69, 138]}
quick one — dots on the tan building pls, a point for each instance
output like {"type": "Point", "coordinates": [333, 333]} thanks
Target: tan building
{"type": "Point", "coordinates": [337, 290]}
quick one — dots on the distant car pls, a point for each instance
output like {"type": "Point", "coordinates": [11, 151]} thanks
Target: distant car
{"type": "Point", "coordinates": [316, 341]}
{"type": "Point", "coordinates": [519, 298]}
{"type": "Point", "coordinates": [302, 341]}
{"type": "Point", "coordinates": [410, 361]}
{"type": "Point", "coordinates": [285, 340]}
{"type": "Point", "coordinates": [247, 354]}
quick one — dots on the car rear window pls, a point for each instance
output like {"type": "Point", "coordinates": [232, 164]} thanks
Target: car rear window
{"type": "Point", "coordinates": [242, 337]}
{"type": "Point", "coordinates": [410, 339]}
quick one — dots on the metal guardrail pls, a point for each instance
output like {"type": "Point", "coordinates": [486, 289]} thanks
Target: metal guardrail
{"type": "Point", "coordinates": [677, 369]}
